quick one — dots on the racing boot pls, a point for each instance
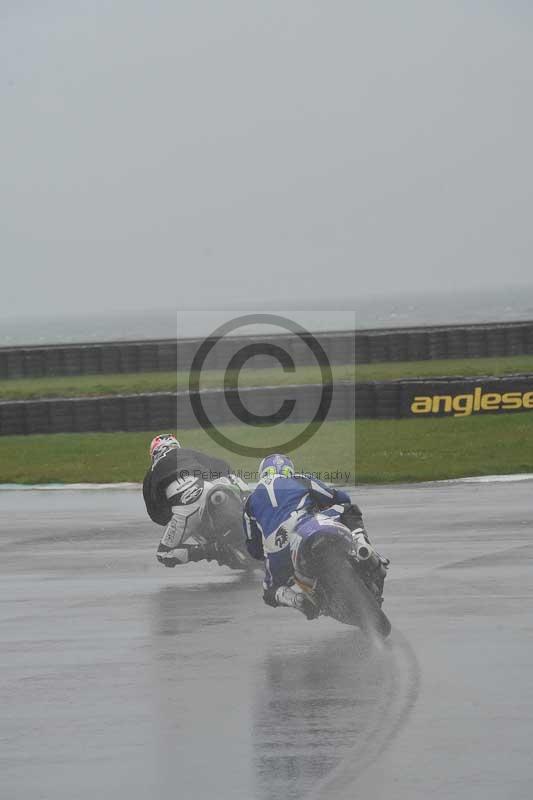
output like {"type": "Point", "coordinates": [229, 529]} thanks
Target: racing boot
{"type": "Point", "coordinates": [286, 596]}
{"type": "Point", "coordinates": [185, 553]}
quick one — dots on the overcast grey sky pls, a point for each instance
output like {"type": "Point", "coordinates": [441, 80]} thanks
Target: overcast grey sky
{"type": "Point", "coordinates": [173, 152]}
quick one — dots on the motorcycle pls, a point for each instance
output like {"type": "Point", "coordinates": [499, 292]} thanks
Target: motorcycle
{"type": "Point", "coordinates": [340, 572]}
{"type": "Point", "coordinates": [221, 518]}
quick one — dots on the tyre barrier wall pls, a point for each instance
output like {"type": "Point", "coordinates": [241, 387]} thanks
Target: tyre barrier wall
{"type": "Point", "coordinates": [485, 340]}
{"type": "Point", "coordinates": [362, 347]}
{"type": "Point", "coordinates": [166, 410]}
{"type": "Point", "coordinates": [393, 400]}
{"type": "Point", "coordinates": [165, 355]}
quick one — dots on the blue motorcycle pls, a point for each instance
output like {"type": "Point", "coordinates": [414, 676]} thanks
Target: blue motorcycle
{"type": "Point", "coordinates": [340, 572]}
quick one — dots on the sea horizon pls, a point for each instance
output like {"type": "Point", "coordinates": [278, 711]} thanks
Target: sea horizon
{"type": "Point", "coordinates": [383, 311]}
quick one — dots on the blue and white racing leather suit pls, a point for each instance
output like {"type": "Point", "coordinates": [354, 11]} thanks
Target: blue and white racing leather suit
{"type": "Point", "coordinates": [275, 508]}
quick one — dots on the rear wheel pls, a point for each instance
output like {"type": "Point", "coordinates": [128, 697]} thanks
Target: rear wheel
{"type": "Point", "coordinates": [345, 595]}
{"type": "Point", "coordinates": [224, 509]}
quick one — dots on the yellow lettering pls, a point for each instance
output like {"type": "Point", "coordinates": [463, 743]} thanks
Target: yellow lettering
{"type": "Point", "coordinates": [421, 405]}
{"type": "Point", "coordinates": [512, 400]}
{"type": "Point", "coordinates": [447, 402]}
{"type": "Point", "coordinates": [527, 400]}
{"type": "Point", "coordinates": [490, 400]}
{"type": "Point", "coordinates": [462, 404]}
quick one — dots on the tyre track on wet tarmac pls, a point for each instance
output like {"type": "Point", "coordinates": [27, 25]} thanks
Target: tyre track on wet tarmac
{"type": "Point", "coordinates": [144, 673]}
{"type": "Point", "coordinates": [326, 710]}
{"type": "Point", "coordinates": [401, 686]}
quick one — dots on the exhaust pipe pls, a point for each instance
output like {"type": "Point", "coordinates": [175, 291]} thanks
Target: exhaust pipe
{"type": "Point", "coordinates": [365, 552]}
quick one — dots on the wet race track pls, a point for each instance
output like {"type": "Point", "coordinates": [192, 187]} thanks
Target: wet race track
{"type": "Point", "coordinates": [121, 679]}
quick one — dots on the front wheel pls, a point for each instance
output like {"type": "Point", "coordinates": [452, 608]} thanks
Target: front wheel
{"type": "Point", "coordinates": [344, 595]}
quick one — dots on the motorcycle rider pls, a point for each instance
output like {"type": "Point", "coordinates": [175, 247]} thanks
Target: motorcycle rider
{"type": "Point", "coordinates": [175, 489]}
{"type": "Point", "coordinates": [279, 502]}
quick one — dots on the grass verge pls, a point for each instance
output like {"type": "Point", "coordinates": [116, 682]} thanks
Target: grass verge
{"type": "Point", "coordinates": [141, 382]}
{"type": "Point", "coordinates": [385, 451]}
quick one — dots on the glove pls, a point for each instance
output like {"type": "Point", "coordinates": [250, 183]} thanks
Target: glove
{"type": "Point", "coordinates": [352, 517]}
{"type": "Point", "coordinates": [210, 551]}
